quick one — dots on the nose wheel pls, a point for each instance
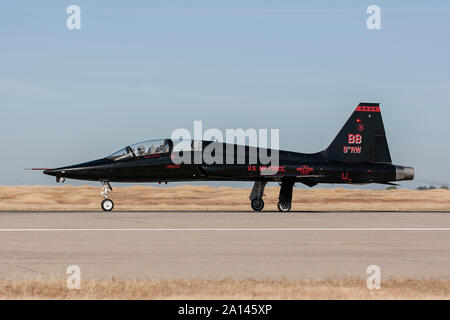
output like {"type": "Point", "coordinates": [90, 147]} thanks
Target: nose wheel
{"type": "Point", "coordinates": [107, 204]}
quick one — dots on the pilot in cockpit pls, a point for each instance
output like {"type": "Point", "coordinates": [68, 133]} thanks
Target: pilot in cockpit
{"type": "Point", "coordinates": [141, 150]}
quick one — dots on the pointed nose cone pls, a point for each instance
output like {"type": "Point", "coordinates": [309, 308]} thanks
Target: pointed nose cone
{"type": "Point", "coordinates": [92, 170]}
{"type": "Point", "coordinates": [54, 172]}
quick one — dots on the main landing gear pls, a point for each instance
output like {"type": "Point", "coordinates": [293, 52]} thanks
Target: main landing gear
{"type": "Point", "coordinates": [284, 199]}
{"type": "Point", "coordinates": [107, 204]}
{"type": "Point", "coordinates": [256, 195]}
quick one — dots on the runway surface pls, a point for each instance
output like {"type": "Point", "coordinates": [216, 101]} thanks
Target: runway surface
{"type": "Point", "coordinates": [224, 244]}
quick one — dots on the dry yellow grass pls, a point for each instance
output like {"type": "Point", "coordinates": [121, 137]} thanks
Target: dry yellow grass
{"type": "Point", "coordinates": [54, 288]}
{"type": "Point", "coordinates": [204, 198]}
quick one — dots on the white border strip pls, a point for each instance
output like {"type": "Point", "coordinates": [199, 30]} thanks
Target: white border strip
{"type": "Point", "coordinates": [221, 229]}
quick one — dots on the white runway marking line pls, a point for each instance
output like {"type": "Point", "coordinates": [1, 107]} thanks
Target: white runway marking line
{"type": "Point", "coordinates": [223, 229]}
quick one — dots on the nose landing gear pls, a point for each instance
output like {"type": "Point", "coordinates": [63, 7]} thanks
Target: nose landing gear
{"type": "Point", "coordinates": [107, 204]}
{"type": "Point", "coordinates": [60, 179]}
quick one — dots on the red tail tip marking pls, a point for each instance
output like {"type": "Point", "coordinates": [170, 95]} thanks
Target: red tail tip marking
{"type": "Point", "coordinates": [368, 109]}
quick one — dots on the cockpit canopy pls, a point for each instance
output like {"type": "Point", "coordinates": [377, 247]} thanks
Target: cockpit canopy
{"type": "Point", "coordinates": [140, 149]}
{"type": "Point", "coordinates": [154, 147]}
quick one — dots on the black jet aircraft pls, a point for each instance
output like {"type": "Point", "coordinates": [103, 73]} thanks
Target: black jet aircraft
{"type": "Point", "coordinates": [359, 154]}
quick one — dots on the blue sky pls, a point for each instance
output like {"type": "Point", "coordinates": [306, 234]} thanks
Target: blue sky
{"type": "Point", "coordinates": [139, 69]}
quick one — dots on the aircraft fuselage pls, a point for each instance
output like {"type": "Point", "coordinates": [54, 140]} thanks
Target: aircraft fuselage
{"type": "Point", "coordinates": [359, 154]}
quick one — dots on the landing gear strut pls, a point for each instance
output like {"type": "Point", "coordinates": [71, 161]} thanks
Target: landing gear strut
{"type": "Point", "coordinates": [285, 197]}
{"type": "Point", "coordinates": [256, 195]}
{"type": "Point", "coordinates": [107, 204]}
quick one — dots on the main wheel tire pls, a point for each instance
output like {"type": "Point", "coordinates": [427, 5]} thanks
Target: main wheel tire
{"type": "Point", "coordinates": [284, 206]}
{"type": "Point", "coordinates": [257, 204]}
{"type": "Point", "coordinates": [107, 205]}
